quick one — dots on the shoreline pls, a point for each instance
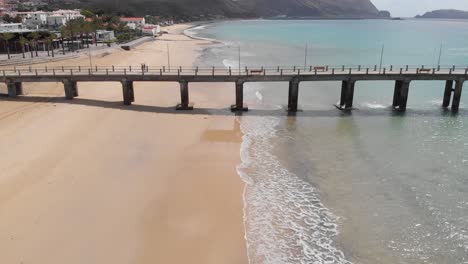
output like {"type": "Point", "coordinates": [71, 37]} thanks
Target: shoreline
{"type": "Point", "coordinates": [99, 182]}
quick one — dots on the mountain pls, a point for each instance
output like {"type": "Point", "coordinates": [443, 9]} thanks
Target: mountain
{"type": "Point", "coordinates": [240, 8]}
{"type": "Point", "coordinates": [446, 13]}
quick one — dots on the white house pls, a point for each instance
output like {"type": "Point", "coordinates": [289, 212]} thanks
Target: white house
{"type": "Point", "coordinates": [151, 30]}
{"type": "Point", "coordinates": [68, 14]}
{"type": "Point", "coordinates": [104, 35]}
{"type": "Point", "coordinates": [134, 22]}
{"type": "Point", "coordinates": [56, 21]}
{"type": "Point", "coordinates": [11, 27]}
{"type": "Point", "coordinates": [34, 19]}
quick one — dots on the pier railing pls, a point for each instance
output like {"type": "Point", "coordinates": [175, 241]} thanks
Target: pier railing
{"type": "Point", "coordinates": [453, 75]}
{"type": "Point", "coordinates": [243, 71]}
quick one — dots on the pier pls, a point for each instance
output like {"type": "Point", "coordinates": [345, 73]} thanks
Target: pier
{"type": "Point", "coordinates": [402, 76]}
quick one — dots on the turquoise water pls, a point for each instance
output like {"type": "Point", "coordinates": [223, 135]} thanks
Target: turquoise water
{"type": "Point", "coordinates": [373, 186]}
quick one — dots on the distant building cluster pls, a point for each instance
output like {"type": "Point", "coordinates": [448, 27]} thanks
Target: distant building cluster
{"type": "Point", "coordinates": [41, 19]}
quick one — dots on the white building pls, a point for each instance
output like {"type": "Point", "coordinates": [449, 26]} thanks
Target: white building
{"type": "Point", "coordinates": [56, 21]}
{"type": "Point", "coordinates": [14, 28]}
{"type": "Point", "coordinates": [33, 19]}
{"type": "Point", "coordinates": [151, 30]}
{"type": "Point", "coordinates": [134, 22]}
{"type": "Point", "coordinates": [105, 35]}
{"type": "Point", "coordinates": [68, 14]}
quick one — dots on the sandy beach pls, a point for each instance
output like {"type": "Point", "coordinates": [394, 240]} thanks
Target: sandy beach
{"type": "Point", "coordinates": [93, 181]}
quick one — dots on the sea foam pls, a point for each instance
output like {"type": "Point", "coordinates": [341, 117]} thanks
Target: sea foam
{"type": "Point", "coordinates": [285, 220]}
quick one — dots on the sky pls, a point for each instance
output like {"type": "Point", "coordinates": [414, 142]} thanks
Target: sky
{"type": "Point", "coordinates": [411, 8]}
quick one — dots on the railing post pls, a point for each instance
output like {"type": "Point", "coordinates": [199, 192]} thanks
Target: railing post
{"type": "Point", "coordinates": [359, 68]}
{"type": "Point", "coordinates": [391, 67]}
{"type": "Point", "coordinates": [384, 69]}
{"type": "Point", "coordinates": [113, 68]}
{"type": "Point", "coordinates": [367, 71]}
{"type": "Point", "coordinates": [375, 67]}
{"type": "Point", "coordinates": [184, 97]}
{"type": "Point", "coordinates": [333, 71]}
{"type": "Point", "coordinates": [342, 68]}
{"type": "Point", "coordinates": [407, 67]}
{"type": "Point", "coordinates": [239, 106]}
{"type": "Point", "coordinates": [350, 69]}
{"type": "Point", "coordinates": [401, 71]}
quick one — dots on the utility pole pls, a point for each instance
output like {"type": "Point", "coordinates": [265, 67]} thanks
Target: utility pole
{"type": "Point", "coordinates": [305, 57]}
{"type": "Point", "coordinates": [440, 55]}
{"type": "Point", "coordinates": [381, 57]}
{"type": "Point", "coordinates": [168, 58]}
{"type": "Point", "coordinates": [239, 55]}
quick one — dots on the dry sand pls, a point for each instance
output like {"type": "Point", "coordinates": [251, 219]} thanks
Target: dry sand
{"type": "Point", "coordinates": [93, 181]}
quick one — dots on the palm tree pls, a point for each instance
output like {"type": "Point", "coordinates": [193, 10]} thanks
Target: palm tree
{"type": "Point", "coordinates": [7, 37]}
{"type": "Point", "coordinates": [63, 33]}
{"type": "Point", "coordinates": [34, 37]}
{"type": "Point", "coordinates": [23, 41]}
{"type": "Point", "coordinates": [50, 41]}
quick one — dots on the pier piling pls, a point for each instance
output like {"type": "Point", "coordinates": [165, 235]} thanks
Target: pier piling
{"type": "Point", "coordinates": [239, 106]}
{"type": "Point", "coordinates": [457, 95]}
{"type": "Point", "coordinates": [447, 93]}
{"type": "Point", "coordinates": [128, 92]}
{"type": "Point", "coordinates": [14, 89]}
{"type": "Point", "coordinates": [400, 96]}
{"type": "Point", "coordinates": [184, 97]}
{"type": "Point", "coordinates": [347, 94]}
{"type": "Point", "coordinates": [293, 95]}
{"type": "Point", "coordinates": [71, 89]}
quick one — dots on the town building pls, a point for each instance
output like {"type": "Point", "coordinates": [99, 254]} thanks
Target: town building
{"type": "Point", "coordinates": [14, 28]}
{"type": "Point", "coordinates": [151, 30]}
{"type": "Point", "coordinates": [105, 35]}
{"type": "Point", "coordinates": [134, 22]}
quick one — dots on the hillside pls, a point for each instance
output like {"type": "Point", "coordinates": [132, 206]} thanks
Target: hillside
{"type": "Point", "coordinates": [240, 8]}
{"type": "Point", "coordinates": [446, 13]}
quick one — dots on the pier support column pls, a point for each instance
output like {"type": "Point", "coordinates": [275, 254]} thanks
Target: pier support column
{"type": "Point", "coordinates": [128, 93]}
{"type": "Point", "coordinates": [457, 95]}
{"type": "Point", "coordinates": [447, 93]}
{"type": "Point", "coordinates": [293, 95]}
{"type": "Point", "coordinates": [75, 89]}
{"type": "Point", "coordinates": [15, 88]}
{"type": "Point", "coordinates": [347, 95]}
{"type": "Point", "coordinates": [400, 96]}
{"type": "Point", "coordinates": [239, 106]}
{"type": "Point", "coordinates": [184, 97]}
{"type": "Point", "coordinates": [70, 88]}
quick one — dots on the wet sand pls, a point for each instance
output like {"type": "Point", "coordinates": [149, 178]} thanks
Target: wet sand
{"type": "Point", "coordinates": [93, 181]}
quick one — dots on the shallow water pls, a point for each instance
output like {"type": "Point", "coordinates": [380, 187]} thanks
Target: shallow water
{"type": "Point", "coordinates": [368, 187]}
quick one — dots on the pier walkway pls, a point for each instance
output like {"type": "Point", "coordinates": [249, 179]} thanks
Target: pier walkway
{"type": "Point", "coordinates": [402, 76]}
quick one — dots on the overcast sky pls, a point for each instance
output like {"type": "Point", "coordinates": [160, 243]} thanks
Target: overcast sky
{"type": "Point", "coordinates": [410, 8]}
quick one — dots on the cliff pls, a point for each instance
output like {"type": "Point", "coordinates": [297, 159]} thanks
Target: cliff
{"type": "Point", "coordinates": [446, 13]}
{"type": "Point", "coordinates": [240, 8]}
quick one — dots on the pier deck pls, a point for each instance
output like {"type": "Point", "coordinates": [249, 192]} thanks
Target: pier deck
{"type": "Point", "coordinates": [454, 76]}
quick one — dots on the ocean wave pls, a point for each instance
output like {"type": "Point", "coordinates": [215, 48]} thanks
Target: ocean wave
{"type": "Point", "coordinates": [374, 105]}
{"type": "Point", "coordinates": [285, 220]}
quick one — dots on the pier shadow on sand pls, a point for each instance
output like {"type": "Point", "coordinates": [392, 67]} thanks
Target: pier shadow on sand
{"type": "Point", "coordinates": [331, 112]}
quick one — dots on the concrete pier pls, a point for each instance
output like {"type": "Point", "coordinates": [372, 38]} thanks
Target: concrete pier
{"type": "Point", "coordinates": [457, 91]}
{"type": "Point", "coordinates": [128, 92]}
{"type": "Point", "coordinates": [71, 89]}
{"type": "Point", "coordinates": [347, 94]}
{"type": "Point", "coordinates": [400, 95]}
{"type": "Point", "coordinates": [184, 97]}
{"type": "Point", "coordinates": [239, 106]}
{"type": "Point", "coordinates": [293, 95]}
{"type": "Point", "coordinates": [14, 88]}
{"type": "Point", "coordinates": [447, 93]}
